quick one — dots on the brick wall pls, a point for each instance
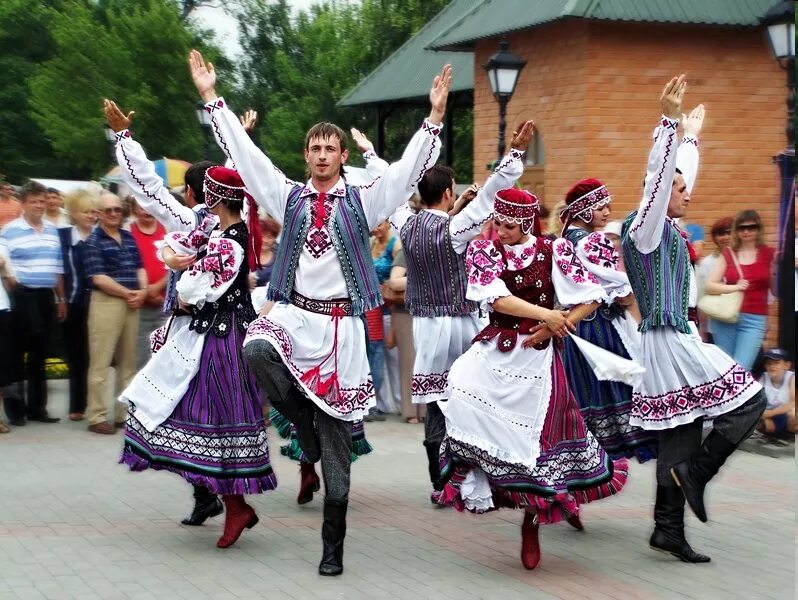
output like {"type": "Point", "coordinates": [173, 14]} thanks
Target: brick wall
{"type": "Point", "coordinates": [593, 90]}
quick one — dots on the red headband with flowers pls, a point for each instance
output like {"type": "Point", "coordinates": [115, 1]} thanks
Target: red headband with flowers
{"type": "Point", "coordinates": [517, 206]}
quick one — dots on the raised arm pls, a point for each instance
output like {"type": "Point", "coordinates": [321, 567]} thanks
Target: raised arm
{"type": "Point", "coordinates": [140, 176]}
{"type": "Point", "coordinates": [467, 223]}
{"type": "Point", "coordinates": [687, 155]}
{"type": "Point", "coordinates": [384, 195]}
{"type": "Point", "coordinates": [646, 227]}
{"type": "Point", "coordinates": [267, 184]}
{"type": "Point", "coordinates": [375, 166]}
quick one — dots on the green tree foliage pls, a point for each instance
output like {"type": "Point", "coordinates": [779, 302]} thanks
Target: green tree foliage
{"type": "Point", "coordinates": [295, 70]}
{"type": "Point", "coordinates": [132, 52]}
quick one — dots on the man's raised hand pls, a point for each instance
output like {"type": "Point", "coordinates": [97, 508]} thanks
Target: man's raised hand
{"type": "Point", "coordinates": [361, 141]}
{"type": "Point", "coordinates": [522, 138]}
{"type": "Point", "coordinates": [439, 93]}
{"type": "Point", "coordinates": [693, 122]}
{"type": "Point", "coordinates": [203, 74]}
{"type": "Point", "coordinates": [671, 98]}
{"type": "Point", "coordinates": [248, 120]}
{"type": "Point", "coordinates": [116, 119]}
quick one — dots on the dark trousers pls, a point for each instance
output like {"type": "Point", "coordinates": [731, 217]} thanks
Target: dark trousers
{"type": "Point", "coordinates": [76, 345]}
{"type": "Point", "coordinates": [36, 311]}
{"type": "Point", "coordinates": [677, 444]}
{"type": "Point", "coordinates": [434, 425]}
{"type": "Point", "coordinates": [335, 435]}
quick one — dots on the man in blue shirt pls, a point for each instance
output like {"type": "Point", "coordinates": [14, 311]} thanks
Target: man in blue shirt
{"type": "Point", "coordinates": [119, 287]}
{"type": "Point", "coordinates": [38, 294]}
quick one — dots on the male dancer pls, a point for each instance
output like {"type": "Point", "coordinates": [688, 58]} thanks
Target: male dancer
{"type": "Point", "coordinates": [444, 321]}
{"type": "Point", "coordinates": [309, 352]}
{"type": "Point", "coordinates": [686, 379]}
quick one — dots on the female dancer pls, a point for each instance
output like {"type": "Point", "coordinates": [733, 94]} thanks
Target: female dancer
{"type": "Point", "coordinates": [195, 409]}
{"type": "Point", "coordinates": [605, 404]}
{"type": "Point", "coordinates": [514, 434]}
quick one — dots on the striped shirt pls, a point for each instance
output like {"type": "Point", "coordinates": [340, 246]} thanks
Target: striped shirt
{"type": "Point", "coordinates": [103, 255]}
{"type": "Point", "coordinates": [36, 256]}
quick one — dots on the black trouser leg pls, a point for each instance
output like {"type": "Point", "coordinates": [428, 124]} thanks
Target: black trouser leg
{"type": "Point", "coordinates": [76, 344]}
{"type": "Point", "coordinates": [434, 432]}
{"type": "Point", "coordinates": [279, 385]}
{"type": "Point", "coordinates": [42, 318]}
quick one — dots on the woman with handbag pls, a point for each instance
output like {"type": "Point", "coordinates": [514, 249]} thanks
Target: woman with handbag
{"type": "Point", "coordinates": [742, 274]}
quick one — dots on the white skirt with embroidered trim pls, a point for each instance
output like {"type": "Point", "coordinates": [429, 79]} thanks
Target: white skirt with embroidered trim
{"type": "Point", "coordinates": [439, 341]}
{"type": "Point", "coordinates": [686, 379]}
{"type": "Point", "coordinates": [498, 400]}
{"type": "Point", "coordinates": [306, 340]}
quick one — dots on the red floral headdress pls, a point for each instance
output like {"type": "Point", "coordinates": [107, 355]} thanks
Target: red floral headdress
{"type": "Point", "coordinates": [518, 206]}
{"type": "Point", "coordinates": [222, 183]}
{"type": "Point", "coordinates": [582, 199]}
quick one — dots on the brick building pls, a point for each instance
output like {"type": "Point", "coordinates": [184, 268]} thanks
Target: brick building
{"type": "Point", "coordinates": [593, 75]}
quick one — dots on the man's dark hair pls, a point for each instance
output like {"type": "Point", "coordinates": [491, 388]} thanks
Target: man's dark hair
{"type": "Point", "coordinates": [52, 190]}
{"type": "Point", "coordinates": [32, 188]}
{"type": "Point", "coordinates": [194, 177]}
{"type": "Point", "coordinates": [435, 182]}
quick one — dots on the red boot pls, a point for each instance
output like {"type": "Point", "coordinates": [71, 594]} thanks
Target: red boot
{"type": "Point", "coordinates": [238, 515]}
{"type": "Point", "coordinates": [530, 547]}
{"type": "Point", "coordinates": [575, 522]}
{"type": "Point", "coordinates": [309, 483]}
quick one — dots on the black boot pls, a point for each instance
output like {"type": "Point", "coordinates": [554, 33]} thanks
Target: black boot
{"type": "Point", "coordinates": [433, 464]}
{"type": "Point", "coordinates": [332, 538]}
{"type": "Point", "coordinates": [206, 505]}
{"type": "Point", "coordinates": [693, 475]}
{"type": "Point", "coordinates": [668, 533]}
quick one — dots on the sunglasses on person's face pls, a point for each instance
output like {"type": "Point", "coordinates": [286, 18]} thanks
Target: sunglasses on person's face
{"type": "Point", "coordinates": [113, 210]}
{"type": "Point", "coordinates": [748, 227]}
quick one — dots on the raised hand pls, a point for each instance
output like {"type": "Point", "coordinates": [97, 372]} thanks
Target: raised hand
{"type": "Point", "coordinates": [439, 94]}
{"type": "Point", "coordinates": [693, 122]}
{"type": "Point", "coordinates": [361, 141]}
{"type": "Point", "coordinates": [116, 119]}
{"type": "Point", "coordinates": [203, 74]}
{"type": "Point", "coordinates": [248, 120]}
{"type": "Point", "coordinates": [522, 138]}
{"type": "Point", "coordinates": [671, 98]}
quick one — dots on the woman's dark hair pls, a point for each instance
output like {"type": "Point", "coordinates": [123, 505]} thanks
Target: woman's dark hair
{"type": "Point", "coordinates": [195, 176]}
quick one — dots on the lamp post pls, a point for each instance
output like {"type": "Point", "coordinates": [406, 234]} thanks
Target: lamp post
{"type": "Point", "coordinates": [204, 118]}
{"type": "Point", "coordinates": [503, 69]}
{"type": "Point", "coordinates": [780, 24]}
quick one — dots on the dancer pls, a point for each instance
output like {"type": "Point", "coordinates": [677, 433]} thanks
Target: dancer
{"type": "Point", "coordinates": [444, 320]}
{"type": "Point", "coordinates": [686, 379]}
{"type": "Point", "coordinates": [514, 434]}
{"type": "Point", "coordinates": [605, 404]}
{"type": "Point", "coordinates": [195, 408]}
{"type": "Point", "coordinates": [309, 352]}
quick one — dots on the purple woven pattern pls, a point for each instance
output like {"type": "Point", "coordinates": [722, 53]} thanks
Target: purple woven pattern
{"type": "Point", "coordinates": [216, 435]}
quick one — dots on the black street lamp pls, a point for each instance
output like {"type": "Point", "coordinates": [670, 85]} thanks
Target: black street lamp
{"type": "Point", "coordinates": [204, 118]}
{"type": "Point", "coordinates": [503, 69]}
{"type": "Point", "coordinates": [780, 23]}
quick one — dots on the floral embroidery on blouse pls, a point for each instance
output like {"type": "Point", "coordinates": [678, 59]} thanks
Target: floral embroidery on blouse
{"type": "Point", "coordinates": [599, 250]}
{"type": "Point", "coordinates": [194, 241]}
{"type": "Point", "coordinates": [484, 262]}
{"type": "Point", "coordinates": [569, 263]}
{"type": "Point", "coordinates": [220, 261]}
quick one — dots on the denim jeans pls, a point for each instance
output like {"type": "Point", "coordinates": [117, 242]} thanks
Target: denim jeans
{"type": "Point", "coordinates": [375, 352]}
{"type": "Point", "coordinates": [741, 340]}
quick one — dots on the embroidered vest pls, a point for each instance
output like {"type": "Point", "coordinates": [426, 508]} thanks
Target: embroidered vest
{"type": "Point", "coordinates": [609, 311]}
{"type": "Point", "coordinates": [436, 274]}
{"type": "Point", "coordinates": [217, 317]}
{"type": "Point", "coordinates": [661, 279]}
{"type": "Point", "coordinates": [349, 232]}
{"type": "Point", "coordinates": [534, 284]}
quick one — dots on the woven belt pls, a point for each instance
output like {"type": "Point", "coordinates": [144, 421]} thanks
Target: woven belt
{"type": "Point", "coordinates": [322, 307]}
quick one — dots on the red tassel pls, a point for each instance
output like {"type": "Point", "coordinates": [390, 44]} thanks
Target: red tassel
{"type": "Point", "coordinates": [312, 379]}
{"type": "Point", "coordinates": [331, 390]}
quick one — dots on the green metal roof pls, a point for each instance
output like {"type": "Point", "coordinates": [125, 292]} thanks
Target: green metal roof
{"type": "Point", "coordinates": [408, 72]}
{"type": "Point", "coordinates": [495, 17]}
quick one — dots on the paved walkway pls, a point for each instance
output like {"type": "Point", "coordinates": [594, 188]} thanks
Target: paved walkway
{"type": "Point", "coordinates": [74, 524]}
